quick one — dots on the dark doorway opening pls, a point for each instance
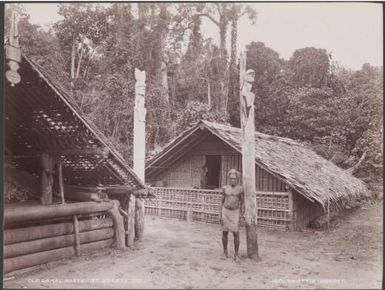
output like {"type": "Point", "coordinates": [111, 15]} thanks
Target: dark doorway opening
{"type": "Point", "coordinates": [213, 163]}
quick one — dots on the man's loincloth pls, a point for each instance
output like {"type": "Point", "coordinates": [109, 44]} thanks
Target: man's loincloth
{"type": "Point", "coordinates": [230, 220]}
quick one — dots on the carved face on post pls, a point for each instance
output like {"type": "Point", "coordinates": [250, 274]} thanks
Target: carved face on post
{"type": "Point", "coordinates": [140, 85]}
{"type": "Point", "coordinates": [250, 76]}
{"type": "Point", "coordinates": [140, 89]}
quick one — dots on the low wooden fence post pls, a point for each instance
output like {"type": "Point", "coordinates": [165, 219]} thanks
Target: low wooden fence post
{"type": "Point", "coordinates": [291, 211]}
{"type": "Point", "coordinates": [160, 196]}
{"type": "Point", "coordinates": [76, 236]}
{"type": "Point", "coordinates": [203, 207]}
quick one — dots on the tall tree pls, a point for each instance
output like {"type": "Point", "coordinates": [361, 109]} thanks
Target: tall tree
{"type": "Point", "coordinates": [82, 29]}
{"type": "Point", "coordinates": [310, 66]}
{"type": "Point", "coordinates": [219, 14]}
{"type": "Point", "coordinates": [232, 103]}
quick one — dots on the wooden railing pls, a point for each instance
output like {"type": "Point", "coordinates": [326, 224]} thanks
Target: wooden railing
{"type": "Point", "coordinates": [274, 208]}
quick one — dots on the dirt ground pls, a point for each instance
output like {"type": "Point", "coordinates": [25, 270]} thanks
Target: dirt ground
{"type": "Point", "coordinates": [177, 254]}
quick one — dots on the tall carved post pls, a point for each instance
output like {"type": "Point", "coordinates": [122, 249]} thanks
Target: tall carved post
{"type": "Point", "coordinates": [139, 146]}
{"type": "Point", "coordinates": [13, 52]}
{"type": "Point", "coordinates": [248, 157]}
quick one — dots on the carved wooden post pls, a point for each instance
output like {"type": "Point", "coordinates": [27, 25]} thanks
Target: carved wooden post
{"type": "Point", "coordinates": [48, 164]}
{"type": "Point", "coordinates": [248, 157]}
{"type": "Point", "coordinates": [13, 52]}
{"type": "Point", "coordinates": [139, 146]}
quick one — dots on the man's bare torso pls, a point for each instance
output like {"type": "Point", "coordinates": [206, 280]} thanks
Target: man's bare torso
{"type": "Point", "coordinates": [232, 196]}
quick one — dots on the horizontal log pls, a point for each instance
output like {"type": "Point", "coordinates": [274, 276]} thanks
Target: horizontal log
{"type": "Point", "coordinates": [122, 188]}
{"type": "Point", "coordinates": [82, 195]}
{"type": "Point", "coordinates": [39, 232]}
{"type": "Point", "coordinates": [29, 247]}
{"type": "Point", "coordinates": [83, 188]}
{"type": "Point", "coordinates": [39, 212]}
{"type": "Point", "coordinates": [27, 261]}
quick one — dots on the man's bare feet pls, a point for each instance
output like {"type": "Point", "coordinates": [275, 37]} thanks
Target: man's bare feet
{"type": "Point", "coordinates": [236, 258]}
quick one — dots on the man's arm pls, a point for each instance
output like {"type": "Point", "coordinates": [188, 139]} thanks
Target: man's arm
{"type": "Point", "coordinates": [242, 203]}
{"type": "Point", "coordinates": [222, 202]}
{"type": "Point", "coordinates": [223, 197]}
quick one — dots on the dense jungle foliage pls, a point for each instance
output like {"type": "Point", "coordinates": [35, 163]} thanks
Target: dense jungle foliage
{"type": "Point", "coordinates": [93, 50]}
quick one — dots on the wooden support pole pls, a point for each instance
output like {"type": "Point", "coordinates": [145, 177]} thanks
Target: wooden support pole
{"type": "Point", "coordinates": [189, 215]}
{"type": "Point", "coordinates": [76, 236]}
{"type": "Point", "coordinates": [61, 184]}
{"type": "Point", "coordinates": [118, 225]}
{"type": "Point", "coordinates": [29, 247]}
{"type": "Point", "coordinates": [203, 201]}
{"type": "Point", "coordinates": [26, 261]}
{"type": "Point", "coordinates": [48, 165]}
{"type": "Point", "coordinates": [159, 211]}
{"type": "Point", "coordinates": [131, 221]}
{"type": "Point", "coordinates": [291, 210]}
{"type": "Point", "coordinates": [248, 157]}
{"type": "Point", "coordinates": [139, 219]}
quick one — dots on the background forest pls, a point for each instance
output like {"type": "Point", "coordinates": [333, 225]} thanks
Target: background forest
{"type": "Point", "coordinates": [93, 50]}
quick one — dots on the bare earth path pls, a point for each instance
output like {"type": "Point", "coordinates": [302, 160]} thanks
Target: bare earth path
{"type": "Point", "coordinates": [177, 254]}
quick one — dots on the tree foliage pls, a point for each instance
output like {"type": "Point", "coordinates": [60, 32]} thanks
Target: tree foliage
{"type": "Point", "coordinates": [308, 97]}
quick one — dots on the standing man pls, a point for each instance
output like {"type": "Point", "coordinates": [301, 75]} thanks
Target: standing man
{"type": "Point", "coordinates": [231, 208]}
{"type": "Point", "coordinates": [204, 176]}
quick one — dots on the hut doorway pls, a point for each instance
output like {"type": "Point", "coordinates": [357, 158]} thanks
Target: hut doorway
{"type": "Point", "coordinates": [213, 163]}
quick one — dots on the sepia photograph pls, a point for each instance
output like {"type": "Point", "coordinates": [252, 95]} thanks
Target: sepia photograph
{"type": "Point", "coordinates": [192, 145]}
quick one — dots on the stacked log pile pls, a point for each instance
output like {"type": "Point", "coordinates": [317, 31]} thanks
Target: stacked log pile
{"type": "Point", "coordinates": [36, 235]}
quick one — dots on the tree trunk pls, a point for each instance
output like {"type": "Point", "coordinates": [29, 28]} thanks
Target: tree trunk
{"type": "Point", "coordinates": [162, 66]}
{"type": "Point", "coordinates": [223, 78]}
{"type": "Point", "coordinates": [73, 55]}
{"type": "Point", "coordinates": [79, 63]}
{"type": "Point", "coordinates": [232, 96]}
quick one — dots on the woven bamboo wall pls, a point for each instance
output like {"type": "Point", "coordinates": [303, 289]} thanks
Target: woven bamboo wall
{"type": "Point", "coordinates": [274, 208]}
{"type": "Point", "coordinates": [185, 173]}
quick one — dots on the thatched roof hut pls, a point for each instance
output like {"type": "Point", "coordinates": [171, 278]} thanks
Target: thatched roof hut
{"type": "Point", "coordinates": [300, 168]}
{"type": "Point", "coordinates": [41, 117]}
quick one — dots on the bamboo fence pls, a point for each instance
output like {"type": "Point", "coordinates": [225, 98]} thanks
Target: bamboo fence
{"type": "Point", "coordinates": [274, 209]}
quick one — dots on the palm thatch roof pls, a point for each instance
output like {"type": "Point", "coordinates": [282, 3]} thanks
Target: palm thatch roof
{"type": "Point", "coordinates": [41, 117]}
{"type": "Point", "coordinates": [314, 177]}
